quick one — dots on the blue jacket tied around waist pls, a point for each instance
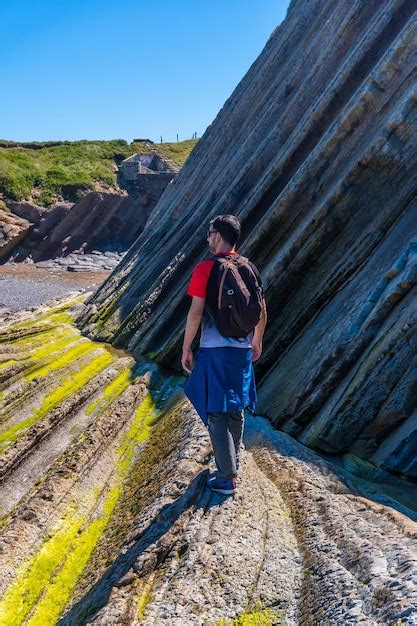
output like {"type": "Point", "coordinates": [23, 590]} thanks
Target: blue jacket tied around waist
{"type": "Point", "coordinates": [222, 381]}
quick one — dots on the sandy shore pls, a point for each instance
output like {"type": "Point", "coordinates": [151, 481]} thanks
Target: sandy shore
{"type": "Point", "coordinates": [26, 286]}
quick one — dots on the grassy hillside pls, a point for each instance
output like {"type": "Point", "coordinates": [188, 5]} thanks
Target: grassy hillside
{"type": "Point", "coordinates": [46, 172]}
{"type": "Point", "coordinates": [177, 151]}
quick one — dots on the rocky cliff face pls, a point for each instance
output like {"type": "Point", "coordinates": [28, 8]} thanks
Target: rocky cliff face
{"type": "Point", "coordinates": [99, 221]}
{"type": "Point", "coordinates": [316, 152]}
{"type": "Point", "coordinates": [104, 221]}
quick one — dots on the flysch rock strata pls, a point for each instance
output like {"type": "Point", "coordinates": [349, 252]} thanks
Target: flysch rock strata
{"type": "Point", "coordinates": [107, 518]}
{"type": "Point", "coordinates": [294, 546]}
{"type": "Point", "coordinates": [316, 151]}
{"type": "Point", "coordinates": [100, 221]}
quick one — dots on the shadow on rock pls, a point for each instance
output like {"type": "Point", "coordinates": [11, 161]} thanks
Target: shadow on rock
{"type": "Point", "coordinates": [98, 596]}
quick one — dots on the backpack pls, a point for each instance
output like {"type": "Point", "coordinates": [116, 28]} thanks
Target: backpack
{"type": "Point", "coordinates": [234, 296]}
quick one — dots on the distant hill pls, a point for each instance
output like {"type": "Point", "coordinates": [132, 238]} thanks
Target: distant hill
{"type": "Point", "coordinates": [49, 171]}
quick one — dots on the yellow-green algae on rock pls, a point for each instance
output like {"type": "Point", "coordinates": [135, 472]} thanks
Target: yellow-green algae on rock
{"type": "Point", "coordinates": [51, 345]}
{"type": "Point", "coordinates": [64, 390]}
{"type": "Point", "coordinates": [255, 617]}
{"type": "Point", "coordinates": [60, 349]}
{"type": "Point", "coordinates": [45, 583]}
{"type": "Point", "coordinates": [7, 363]}
{"type": "Point", "coordinates": [71, 355]}
{"type": "Point", "coordinates": [59, 314]}
{"type": "Point", "coordinates": [111, 391]}
{"type": "Point", "coordinates": [144, 597]}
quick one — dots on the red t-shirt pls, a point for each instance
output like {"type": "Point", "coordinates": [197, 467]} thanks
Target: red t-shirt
{"type": "Point", "coordinates": [200, 276]}
{"type": "Point", "coordinates": [210, 336]}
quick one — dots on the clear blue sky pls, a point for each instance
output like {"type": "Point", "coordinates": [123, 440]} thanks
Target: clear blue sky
{"type": "Point", "coordinates": [107, 69]}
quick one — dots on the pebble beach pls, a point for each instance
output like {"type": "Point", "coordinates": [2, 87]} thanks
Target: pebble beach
{"type": "Point", "coordinates": [25, 286]}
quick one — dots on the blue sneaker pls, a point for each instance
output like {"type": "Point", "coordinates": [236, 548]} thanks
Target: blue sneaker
{"type": "Point", "coordinates": [211, 478]}
{"type": "Point", "coordinates": [227, 487]}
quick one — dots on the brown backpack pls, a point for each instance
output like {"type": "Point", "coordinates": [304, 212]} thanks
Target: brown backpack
{"type": "Point", "coordinates": [234, 295]}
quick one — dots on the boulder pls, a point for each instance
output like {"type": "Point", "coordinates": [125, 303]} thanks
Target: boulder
{"type": "Point", "coordinates": [12, 230]}
{"type": "Point", "coordinates": [27, 210]}
{"type": "Point", "coordinates": [50, 218]}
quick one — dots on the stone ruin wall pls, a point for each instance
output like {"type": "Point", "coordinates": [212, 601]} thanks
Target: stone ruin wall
{"type": "Point", "coordinates": [316, 152]}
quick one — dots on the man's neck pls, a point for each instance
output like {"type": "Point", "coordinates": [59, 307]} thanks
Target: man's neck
{"type": "Point", "coordinates": [225, 250]}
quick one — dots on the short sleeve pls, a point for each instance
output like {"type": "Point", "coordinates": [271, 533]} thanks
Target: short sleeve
{"type": "Point", "coordinates": [199, 279]}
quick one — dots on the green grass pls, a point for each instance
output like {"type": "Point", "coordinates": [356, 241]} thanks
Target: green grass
{"type": "Point", "coordinates": [70, 169]}
{"type": "Point", "coordinates": [177, 151]}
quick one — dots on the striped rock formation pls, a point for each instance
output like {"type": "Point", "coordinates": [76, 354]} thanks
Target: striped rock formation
{"type": "Point", "coordinates": [316, 152]}
{"type": "Point", "coordinates": [106, 516]}
{"type": "Point", "coordinates": [105, 513]}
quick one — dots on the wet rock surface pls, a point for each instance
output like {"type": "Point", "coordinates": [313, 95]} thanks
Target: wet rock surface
{"type": "Point", "coordinates": [95, 261]}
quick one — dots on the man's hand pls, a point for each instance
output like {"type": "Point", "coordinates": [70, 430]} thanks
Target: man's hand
{"type": "Point", "coordinates": [193, 322]}
{"type": "Point", "coordinates": [259, 333]}
{"type": "Point", "coordinates": [256, 350]}
{"type": "Point", "coordinates": [187, 360]}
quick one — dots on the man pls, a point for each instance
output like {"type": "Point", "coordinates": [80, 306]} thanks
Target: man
{"type": "Point", "coordinates": [221, 383]}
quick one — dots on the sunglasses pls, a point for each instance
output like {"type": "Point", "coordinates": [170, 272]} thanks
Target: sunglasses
{"type": "Point", "coordinates": [211, 232]}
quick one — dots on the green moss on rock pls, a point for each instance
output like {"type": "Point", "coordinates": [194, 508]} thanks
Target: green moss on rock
{"type": "Point", "coordinates": [66, 388]}
{"type": "Point", "coordinates": [255, 617]}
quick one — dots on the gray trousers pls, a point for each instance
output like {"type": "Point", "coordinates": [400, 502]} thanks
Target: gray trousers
{"type": "Point", "coordinates": [226, 430]}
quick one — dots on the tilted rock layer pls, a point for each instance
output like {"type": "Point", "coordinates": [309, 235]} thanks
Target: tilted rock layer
{"type": "Point", "coordinates": [316, 152]}
{"type": "Point", "coordinates": [12, 231]}
{"type": "Point", "coordinates": [106, 517]}
{"type": "Point", "coordinates": [98, 221]}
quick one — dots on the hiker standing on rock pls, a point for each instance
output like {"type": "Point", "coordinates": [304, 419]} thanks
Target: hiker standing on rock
{"type": "Point", "coordinates": [228, 301]}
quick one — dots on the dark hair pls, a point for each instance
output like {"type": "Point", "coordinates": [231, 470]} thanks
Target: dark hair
{"type": "Point", "coordinates": [228, 226]}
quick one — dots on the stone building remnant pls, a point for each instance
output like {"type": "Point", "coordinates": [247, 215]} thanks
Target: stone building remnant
{"type": "Point", "coordinates": [147, 173]}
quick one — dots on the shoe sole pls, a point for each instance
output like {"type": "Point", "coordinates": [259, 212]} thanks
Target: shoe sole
{"type": "Point", "coordinates": [225, 492]}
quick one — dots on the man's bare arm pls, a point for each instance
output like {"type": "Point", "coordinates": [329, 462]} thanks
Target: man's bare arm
{"type": "Point", "coordinates": [193, 322]}
{"type": "Point", "coordinates": [258, 333]}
